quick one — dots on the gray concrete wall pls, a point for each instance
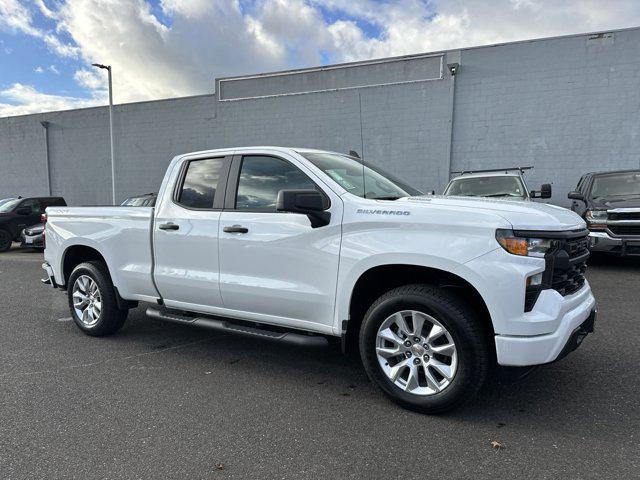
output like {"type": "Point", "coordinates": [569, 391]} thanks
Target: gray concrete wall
{"type": "Point", "coordinates": [565, 105]}
{"type": "Point", "coordinates": [376, 72]}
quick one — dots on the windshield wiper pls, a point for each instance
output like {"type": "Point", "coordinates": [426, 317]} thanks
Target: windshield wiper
{"type": "Point", "coordinates": [390, 197]}
{"type": "Point", "coordinates": [501, 195]}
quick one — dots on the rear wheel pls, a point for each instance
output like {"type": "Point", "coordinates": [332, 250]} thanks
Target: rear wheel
{"type": "Point", "coordinates": [424, 348]}
{"type": "Point", "coordinates": [5, 241]}
{"type": "Point", "coordinates": [92, 300]}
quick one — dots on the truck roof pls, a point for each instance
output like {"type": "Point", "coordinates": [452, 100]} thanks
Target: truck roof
{"type": "Point", "coordinates": [260, 147]}
{"type": "Point", "coordinates": [630, 170]}
{"type": "Point", "coordinates": [487, 174]}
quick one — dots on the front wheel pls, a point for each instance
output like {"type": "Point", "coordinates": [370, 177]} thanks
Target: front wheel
{"type": "Point", "coordinates": [92, 300]}
{"type": "Point", "coordinates": [424, 347]}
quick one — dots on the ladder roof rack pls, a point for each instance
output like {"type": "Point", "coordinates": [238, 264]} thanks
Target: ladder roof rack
{"type": "Point", "coordinates": [505, 170]}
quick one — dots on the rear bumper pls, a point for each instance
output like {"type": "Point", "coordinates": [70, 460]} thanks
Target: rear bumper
{"type": "Point", "coordinates": [575, 315]}
{"type": "Point", "coordinates": [50, 278]}
{"type": "Point", "coordinates": [603, 242]}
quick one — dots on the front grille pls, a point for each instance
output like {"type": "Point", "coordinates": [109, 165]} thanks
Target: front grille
{"type": "Point", "coordinates": [566, 263]}
{"type": "Point", "coordinates": [569, 263]}
{"type": "Point", "coordinates": [623, 215]}
{"type": "Point", "coordinates": [623, 230]}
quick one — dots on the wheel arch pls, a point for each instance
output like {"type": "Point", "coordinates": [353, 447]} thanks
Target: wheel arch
{"type": "Point", "coordinates": [76, 254]}
{"type": "Point", "coordinates": [379, 279]}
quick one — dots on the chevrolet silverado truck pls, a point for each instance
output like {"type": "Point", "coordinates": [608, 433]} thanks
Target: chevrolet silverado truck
{"type": "Point", "coordinates": [610, 204]}
{"type": "Point", "coordinates": [305, 246]}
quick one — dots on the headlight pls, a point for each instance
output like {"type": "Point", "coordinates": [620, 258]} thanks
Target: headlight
{"type": "Point", "coordinates": [596, 218]}
{"type": "Point", "coordinates": [523, 246]}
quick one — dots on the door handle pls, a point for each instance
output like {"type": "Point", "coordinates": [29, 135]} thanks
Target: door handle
{"type": "Point", "coordinates": [235, 229]}
{"type": "Point", "coordinates": [169, 226]}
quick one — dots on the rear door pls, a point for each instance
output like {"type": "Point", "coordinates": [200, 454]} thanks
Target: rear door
{"type": "Point", "coordinates": [273, 265]}
{"type": "Point", "coordinates": [185, 235]}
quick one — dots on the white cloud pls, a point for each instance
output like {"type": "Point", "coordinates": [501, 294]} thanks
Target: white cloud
{"type": "Point", "coordinates": [16, 17]}
{"type": "Point", "coordinates": [210, 38]}
{"type": "Point", "coordinates": [45, 10]}
{"type": "Point", "coordinates": [51, 68]}
{"type": "Point", "coordinates": [26, 99]}
{"type": "Point", "coordinates": [90, 79]}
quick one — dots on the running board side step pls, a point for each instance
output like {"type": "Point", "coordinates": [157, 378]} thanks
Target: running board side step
{"type": "Point", "coordinates": [292, 338]}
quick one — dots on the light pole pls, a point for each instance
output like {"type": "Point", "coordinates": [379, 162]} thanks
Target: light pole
{"type": "Point", "coordinates": [113, 165]}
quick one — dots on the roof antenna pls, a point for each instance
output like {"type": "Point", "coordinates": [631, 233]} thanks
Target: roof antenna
{"type": "Point", "coordinates": [353, 153]}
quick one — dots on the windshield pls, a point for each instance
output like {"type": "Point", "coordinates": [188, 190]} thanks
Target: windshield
{"type": "Point", "coordinates": [616, 185]}
{"type": "Point", "coordinates": [352, 175]}
{"type": "Point", "coordinates": [8, 205]}
{"type": "Point", "coordinates": [486, 187]}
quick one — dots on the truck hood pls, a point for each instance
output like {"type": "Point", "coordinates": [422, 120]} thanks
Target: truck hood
{"type": "Point", "coordinates": [521, 215]}
{"type": "Point", "coordinates": [615, 202]}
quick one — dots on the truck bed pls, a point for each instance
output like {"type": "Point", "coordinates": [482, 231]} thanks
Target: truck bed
{"type": "Point", "coordinates": [123, 234]}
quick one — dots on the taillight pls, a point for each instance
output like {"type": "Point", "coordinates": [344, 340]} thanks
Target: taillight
{"type": "Point", "coordinates": [43, 218]}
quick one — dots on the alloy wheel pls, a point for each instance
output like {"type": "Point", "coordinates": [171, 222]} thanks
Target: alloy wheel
{"type": "Point", "coordinates": [87, 301]}
{"type": "Point", "coordinates": [416, 352]}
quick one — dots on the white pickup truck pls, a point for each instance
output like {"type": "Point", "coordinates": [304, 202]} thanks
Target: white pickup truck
{"type": "Point", "coordinates": [300, 245]}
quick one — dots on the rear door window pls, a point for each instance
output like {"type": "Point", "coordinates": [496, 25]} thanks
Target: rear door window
{"type": "Point", "coordinates": [200, 183]}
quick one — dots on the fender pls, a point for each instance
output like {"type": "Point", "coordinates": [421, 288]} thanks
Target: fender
{"type": "Point", "coordinates": [66, 246]}
{"type": "Point", "coordinates": [347, 279]}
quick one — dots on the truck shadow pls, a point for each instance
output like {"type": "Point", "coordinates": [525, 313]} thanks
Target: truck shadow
{"type": "Point", "coordinates": [567, 395]}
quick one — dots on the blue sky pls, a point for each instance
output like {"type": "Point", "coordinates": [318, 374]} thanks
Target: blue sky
{"type": "Point", "coordinates": [168, 48]}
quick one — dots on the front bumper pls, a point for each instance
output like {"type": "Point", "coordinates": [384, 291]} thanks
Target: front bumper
{"type": "Point", "coordinates": [572, 314]}
{"type": "Point", "coordinates": [601, 241]}
{"type": "Point", "coordinates": [32, 241]}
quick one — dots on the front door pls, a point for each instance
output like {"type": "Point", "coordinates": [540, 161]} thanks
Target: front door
{"type": "Point", "coordinates": [185, 233]}
{"type": "Point", "coordinates": [274, 264]}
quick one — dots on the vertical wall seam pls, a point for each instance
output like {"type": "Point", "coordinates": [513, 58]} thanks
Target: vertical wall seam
{"type": "Point", "coordinates": [45, 126]}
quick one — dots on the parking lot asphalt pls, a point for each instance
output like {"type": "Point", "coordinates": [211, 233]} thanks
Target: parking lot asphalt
{"type": "Point", "coordinates": [160, 400]}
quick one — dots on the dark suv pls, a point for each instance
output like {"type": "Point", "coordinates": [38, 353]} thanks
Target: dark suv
{"type": "Point", "coordinates": [610, 204]}
{"type": "Point", "coordinates": [17, 214]}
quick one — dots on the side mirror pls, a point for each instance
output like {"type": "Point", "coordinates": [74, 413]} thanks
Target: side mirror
{"type": "Point", "coordinates": [544, 192]}
{"type": "Point", "coordinates": [307, 202]}
{"type": "Point", "coordinates": [575, 195]}
{"type": "Point", "coordinates": [24, 211]}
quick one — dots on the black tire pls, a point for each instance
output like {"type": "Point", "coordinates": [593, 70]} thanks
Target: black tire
{"type": "Point", "coordinates": [5, 240]}
{"type": "Point", "coordinates": [473, 354]}
{"type": "Point", "coordinates": [111, 318]}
